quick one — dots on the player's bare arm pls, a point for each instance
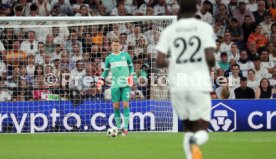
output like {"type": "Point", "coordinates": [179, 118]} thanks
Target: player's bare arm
{"type": "Point", "coordinates": [161, 60]}
{"type": "Point", "coordinates": [210, 58]}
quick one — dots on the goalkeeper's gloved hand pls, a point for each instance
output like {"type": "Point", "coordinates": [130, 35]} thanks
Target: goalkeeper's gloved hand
{"type": "Point", "coordinates": [130, 80]}
{"type": "Point", "coordinates": [99, 84]}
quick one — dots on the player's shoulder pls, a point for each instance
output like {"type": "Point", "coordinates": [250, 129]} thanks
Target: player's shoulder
{"type": "Point", "coordinates": [108, 56]}
{"type": "Point", "coordinates": [124, 53]}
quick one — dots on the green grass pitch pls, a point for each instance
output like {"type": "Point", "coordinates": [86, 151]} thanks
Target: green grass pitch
{"type": "Point", "coordinates": [238, 145]}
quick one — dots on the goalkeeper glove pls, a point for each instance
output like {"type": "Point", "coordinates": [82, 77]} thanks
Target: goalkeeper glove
{"type": "Point", "coordinates": [130, 80]}
{"type": "Point", "coordinates": [99, 84]}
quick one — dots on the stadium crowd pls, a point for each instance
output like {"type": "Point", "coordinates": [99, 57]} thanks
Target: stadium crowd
{"type": "Point", "coordinates": [36, 61]}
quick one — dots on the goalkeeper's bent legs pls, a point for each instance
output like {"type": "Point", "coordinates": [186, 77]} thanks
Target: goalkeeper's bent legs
{"type": "Point", "coordinates": [126, 114]}
{"type": "Point", "coordinates": [117, 115]}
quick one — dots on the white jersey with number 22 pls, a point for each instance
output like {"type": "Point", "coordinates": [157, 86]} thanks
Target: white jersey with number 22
{"type": "Point", "coordinates": [185, 42]}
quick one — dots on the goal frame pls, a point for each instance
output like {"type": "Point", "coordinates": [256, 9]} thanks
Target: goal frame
{"type": "Point", "coordinates": [98, 19]}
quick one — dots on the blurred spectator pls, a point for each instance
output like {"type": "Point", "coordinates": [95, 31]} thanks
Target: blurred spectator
{"type": "Point", "coordinates": [8, 38]}
{"type": "Point", "coordinates": [271, 8]}
{"type": "Point", "coordinates": [77, 74]}
{"type": "Point", "coordinates": [25, 92]}
{"type": "Point", "coordinates": [56, 11]}
{"type": "Point", "coordinates": [4, 95]}
{"type": "Point", "coordinates": [272, 52]}
{"type": "Point", "coordinates": [260, 71]}
{"type": "Point", "coordinates": [139, 7]}
{"type": "Point", "coordinates": [24, 75]}
{"type": "Point", "coordinates": [57, 53]}
{"type": "Point", "coordinates": [265, 90]}
{"type": "Point", "coordinates": [266, 25]}
{"type": "Point", "coordinates": [73, 40]}
{"type": "Point", "coordinates": [76, 53]}
{"type": "Point", "coordinates": [77, 6]}
{"type": "Point", "coordinates": [33, 10]}
{"type": "Point", "coordinates": [204, 12]}
{"type": "Point", "coordinates": [14, 79]}
{"type": "Point", "coordinates": [25, 5]}
{"type": "Point", "coordinates": [265, 62]}
{"type": "Point", "coordinates": [40, 54]}
{"type": "Point", "coordinates": [3, 68]}
{"type": "Point", "coordinates": [225, 46]}
{"type": "Point", "coordinates": [49, 44]}
{"type": "Point", "coordinates": [252, 5]}
{"type": "Point", "coordinates": [30, 64]}
{"type": "Point", "coordinates": [140, 49]}
{"type": "Point", "coordinates": [252, 50]}
{"type": "Point", "coordinates": [15, 57]}
{"type": "Point", "coordinates": [223, 15]}
{"type": "Point", "coordinates": [132, 38]}
{"type": "Point", "coordinates": [240, 12]}
{"type": "Point", "coordinates": [232, 5]}
{"type": "Point", "coordinates": [236, 32]}
{"type": "Point", "coordinates": [30, 45]}
{"type": "Point", "coordinates": [161, 8]}
{"type": "Point", "coordinates": [101, 10]}
{"type": "Point", "coordinates": [83, 11]}
{"type": "Point", "coordinates": [18, 11]}
{"type": "Point", "coordinates": [65, 7]}
{"type": "Point", "coordinates": [273, 39]}
{"type": "Point", "coordinates": [260, 13]}
{"type": "Point", "coordinates": [136, 94]}
{"type": "Point", "coordinates": [234, 53]}
{"type": "Point", "coordinates": [120, 10]}
{"type": "Point", "coordinates": [248, 27]}
{"type": "Point", "coordinates": [258, 37]}
{"type": "Point", "coordinates": [272, 80]}
{"type": "Point", "coordinates": [44, 8]}
{"type": "Point", "coordinates": [234, 77]}
{"type": "Point", "coordinates": [114, 33]}
{"type": "Point", "coordinates": [39, 71]}
{"type": "Point", "coordinates": [244, 63]}
{"type": "Point", "coordinates": [4, 9]}
{"type": "Point", "coordinates": [244, 92]}
{"type": "Point", "coordinates": [150, 11]}
{"type": "Point", "coordinates": [252, 82]}
{"type": "Point", "coordinates": [65, 62]}
{"type": "Point", "coordinates": [215, 6]}
{"type": "Point", "coordinates": [223, 63]}
{"type": "Point", "coordinates": [219, 29]}
{"type": "Point", "coordinates": [217, 51]}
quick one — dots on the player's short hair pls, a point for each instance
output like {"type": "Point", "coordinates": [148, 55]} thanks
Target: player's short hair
{"type": "Point", "coordinates": [187, 6]}
{"type": "Point", "coordinates": [223, 54]}
{"type": "Point", "coordinates": [116, 40]}
{"type": "Point", "coordinates": [243, 79]}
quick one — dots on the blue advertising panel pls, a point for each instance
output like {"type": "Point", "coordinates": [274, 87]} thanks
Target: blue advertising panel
{"type": "Point", "coordinates": [63, 116]}
{"type": "Point", "coordinates": [243, 115]}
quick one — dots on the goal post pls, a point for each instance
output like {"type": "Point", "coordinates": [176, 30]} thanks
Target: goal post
{"type": "Point", "coordinates": [52, 64]}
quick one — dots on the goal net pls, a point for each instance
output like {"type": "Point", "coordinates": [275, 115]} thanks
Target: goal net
{"type": "Point", "coordinates": [49, 67]}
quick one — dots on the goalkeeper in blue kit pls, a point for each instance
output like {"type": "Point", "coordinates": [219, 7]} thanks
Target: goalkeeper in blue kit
{"type": "Point", "coordinates": [121, 66]}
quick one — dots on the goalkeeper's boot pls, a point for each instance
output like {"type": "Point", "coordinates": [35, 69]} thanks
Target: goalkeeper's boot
{"type": "Point", "coordinates": [196, 152]}
{"type": "Point", "coordinates": [124, 132]}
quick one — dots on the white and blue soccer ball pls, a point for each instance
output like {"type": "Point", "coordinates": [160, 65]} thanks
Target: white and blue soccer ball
{"type": "Point", "coordinates": [112, 132]}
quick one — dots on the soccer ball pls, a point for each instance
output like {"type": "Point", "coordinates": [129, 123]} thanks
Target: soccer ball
{"type": "Point", "coordinates": [112, 132]}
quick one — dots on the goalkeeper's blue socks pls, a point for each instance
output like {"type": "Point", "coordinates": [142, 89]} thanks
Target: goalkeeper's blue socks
{"type": "Point", "coordinates": [126, 118]}
{"type": "Point", "coordinates": [117, 116]}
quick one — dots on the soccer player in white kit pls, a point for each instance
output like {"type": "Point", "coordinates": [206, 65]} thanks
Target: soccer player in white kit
{"type": "Point", "coordinates": [187, 48]}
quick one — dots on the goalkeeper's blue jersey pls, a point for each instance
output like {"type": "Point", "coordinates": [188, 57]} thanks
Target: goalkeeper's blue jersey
{"type": "Point", "coordinates": [121, 67]}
